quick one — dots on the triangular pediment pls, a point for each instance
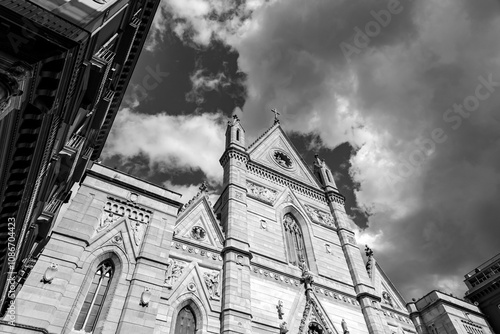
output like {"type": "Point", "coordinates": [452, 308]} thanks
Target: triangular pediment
{"type": "Point", "coordinates": [275, 151]}
{"type": "Point", "coordinates": [391, 298]}
{"type": "Point", "coordinates": [199, 225]}
{"type": "Point", "coordinates": [315, 317]}
{"type": "Point", "coordinates": [118, 234]}
{"type": "Point", "coordinates": [190, 278]}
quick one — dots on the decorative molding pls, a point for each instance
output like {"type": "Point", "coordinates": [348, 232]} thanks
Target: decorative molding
{"type": "Point", "coordinates": [395, 316]}
{"type": "Point", "coordinates": [262, 193]}
{"type": "Point", "coordinates": [199, 251]}
{"type": "Point", "coordinates": [320, 217]}
{"type": "Point", "coordinates": [282, 279]}
{"type": "Point", "coordinates": [280, 179]}
{"type": "Point", "coordinates": [115, 209]}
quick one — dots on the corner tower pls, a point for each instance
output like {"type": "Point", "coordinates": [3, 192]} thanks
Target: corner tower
{"type": "Point", "coordinates": [236, 314]}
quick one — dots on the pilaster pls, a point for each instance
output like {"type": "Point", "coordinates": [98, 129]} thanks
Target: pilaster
{"type": "Point", "coordinates": [366, 295]}
{"type": "Point", "coordinates": [236, 314]}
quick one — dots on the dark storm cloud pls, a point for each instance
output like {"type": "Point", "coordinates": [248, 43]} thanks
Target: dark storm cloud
{"type": "Point", "coordinates": [425, 172]}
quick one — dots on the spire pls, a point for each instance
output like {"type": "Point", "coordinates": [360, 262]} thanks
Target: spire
{"type": "Point", "coordinates": [324, 174]}
{"type": "Point", "coordinates": [235, 135]}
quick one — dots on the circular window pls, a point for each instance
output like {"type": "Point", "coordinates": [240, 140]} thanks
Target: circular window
{"type": "Point", "coordinates": [198, 233]}
{"type": "Point", "coordinates": [282, 159]}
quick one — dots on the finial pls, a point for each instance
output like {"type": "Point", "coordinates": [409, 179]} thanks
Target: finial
{"type": "Point", "coordinates": [368, 251]}
{"type": "Point", "coordinates": [276, 113]}
{"type": "Point", "coordinates": [204, 186]}
{"type": "Point", "coordinates": [319, 162]}
{"type": "Point", "coordinates": [234, 120]}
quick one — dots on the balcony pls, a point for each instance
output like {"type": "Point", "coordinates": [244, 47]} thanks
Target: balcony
{"type": "Point", "coordinates": [50, 210]}
{"type": "Point", "coordinates": [73, 145]}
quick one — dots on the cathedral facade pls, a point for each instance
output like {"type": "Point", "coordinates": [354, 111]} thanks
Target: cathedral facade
{"type": "Point", "coordinates": [275, 254]}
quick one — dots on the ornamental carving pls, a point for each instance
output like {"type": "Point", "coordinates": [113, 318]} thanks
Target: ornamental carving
{"type": "Point", "coordinates": [174, 271]}
{"type": "Point", "coordinates": [212, 280]}
{"type": "Point", "coordinates": [115, 209]}
{"type": "Point", "coordinates": [282, 159]}
{"type": "Point", "coordinates": [198, 233]}
{"type": "Point", "coordinates": [107, 218]}
{"type": "Point", "coordinates": [320, 217]}
{"type": "Point", "coordinates": [261, 193]}
{"type": "Point", "coordinates": [137, 231]}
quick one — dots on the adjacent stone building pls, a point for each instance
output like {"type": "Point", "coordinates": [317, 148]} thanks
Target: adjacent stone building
{"type": "Point", "coordinates": [275, 254]}
{"type": "Point", "coordinates": [64, 68]}
{"type": "Point", "coordinates": [484, 290]}
{"type": "Point", "coordinates": [438, 312]}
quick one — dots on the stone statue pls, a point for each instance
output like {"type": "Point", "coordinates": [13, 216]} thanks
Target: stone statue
{"type": "Point", "coordinates": [368, 251]}
{"type": "Point", "coordinates": [212, 282]}
{"type": "Point", "coordinates": [344, 327]}
{"type": "Point", "coordinates": [279, 307]}
{"type": "Point", "coordinates": [174, 271]}
{"type": "Point", "coordinates": [283, 328]}
{"type": "Point", "coordinates": [107, 218]}
{"type": "Point", "coordinates": [307, 277]}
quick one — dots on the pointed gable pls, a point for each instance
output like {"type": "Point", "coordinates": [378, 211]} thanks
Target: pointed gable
{"type": "Point", "coordinates": [199, 225]}
{"type": "Point", "coordinates": [386, 290]}
{"type": "Point", "coordinates": [275, 151]}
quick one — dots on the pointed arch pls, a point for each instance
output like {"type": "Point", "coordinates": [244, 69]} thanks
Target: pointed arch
{"type": "Point", "coordinates": [90, 272]}
{"type": "Point", "coordinates": [305, 231]}
{"type": "Point", "coordinates": [189, 302]}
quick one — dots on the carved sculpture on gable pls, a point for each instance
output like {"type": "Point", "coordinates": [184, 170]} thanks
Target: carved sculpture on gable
{"type": "Point", "coordinates": [387, 298]}
{"type": "Point", "coordinates": [198, 233]}
{"type": "Point", "coordinates": [212, 282]}
{"type": "Point", "coordinates": [107, 218]}
{"type": "Point", "coordinates": [283, 328]}
{"type": "Point", "coordinates": [174, 271]}
{"type": "Point", "coordinates": [279, 307]}
{"type": "Point", "coordinates": [344, 327]}
{"type": "Point", "coordinates": [307, 278]}
{"type": "Point", "coordinates": [137, 231]}
{"type": "Point", "coordinates": [319, 216]}
{"type": "Point", "coordinates": [264, 194]}
{"type": "Point", "coordinates": [282, 159]}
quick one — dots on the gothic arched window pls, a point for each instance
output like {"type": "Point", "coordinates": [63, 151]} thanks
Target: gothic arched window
{"type": "Point", "coordinates": [186, 321]}
{"type": "Point", "coordinates": [294, 240]}
{"type": "Point", "coordinates": [94, 301]}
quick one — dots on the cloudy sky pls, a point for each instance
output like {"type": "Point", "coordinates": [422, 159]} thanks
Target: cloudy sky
{"type": "Point", "coordinates": [400, 97]}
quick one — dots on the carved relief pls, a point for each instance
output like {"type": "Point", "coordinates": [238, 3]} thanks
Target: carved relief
{"type": "Point", "coordinates": [107, 218]}
{"type": "Point", "coordinates": [198, 233]}
{"type": "Point", "coordinates": [115, 209]}
{"type": "Point", "coordinates": [174, 271]}
{"type": "Point", "coordinates": [137, 231]}
{"type": "Point", "coordinates": [279, 307]}
{"type": "Point", "coordinates": [320, 217]}
{"type": "Point", "coordinates": [212, 281]}
{"type": "Point", "coordinates": [282, 159]}
{"type": "Point", "coordinates": [262, 193]}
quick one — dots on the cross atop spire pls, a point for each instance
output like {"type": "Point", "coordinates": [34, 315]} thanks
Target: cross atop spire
{"type": "Point", "coordinates": [276, 113]}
